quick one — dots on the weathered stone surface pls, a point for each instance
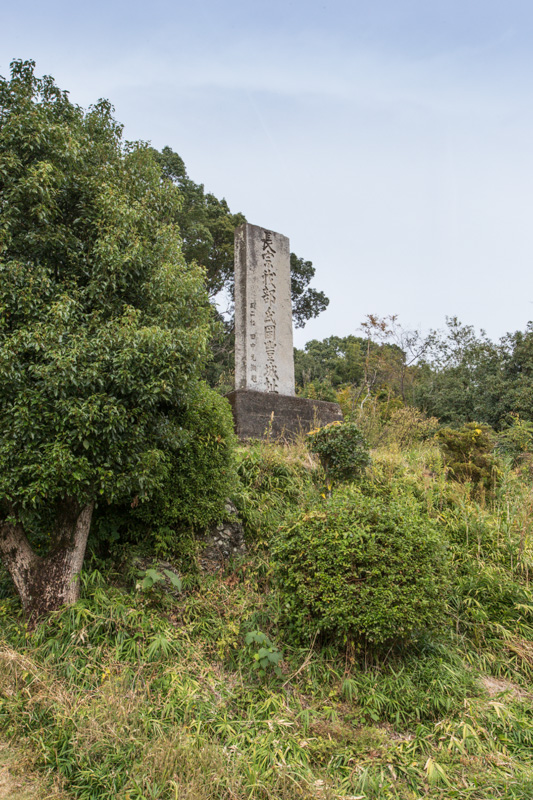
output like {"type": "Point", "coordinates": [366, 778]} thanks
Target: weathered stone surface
{"type": "Point", "coordinates": [264, 359]}
{"type": "Point", "coordinates": [222, 542]}
{"type": "Point", "coordinates": [260, 415]}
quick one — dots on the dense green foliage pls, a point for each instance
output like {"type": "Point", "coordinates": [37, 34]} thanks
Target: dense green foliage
{"type": "Point", "coordinates": [461, 377]}
{"type": "Point", "coordinates": [270, 482]}
{"type": "Point", "coordinates": [201, 476]}
{"type": "Point", "coordinates": [468, 378]}
{"type": "Point", "coordinates": [342, 450]}
{"type": "Point", "coordinates": [516, 440]}
{"type": "Point", "coordinates": [103, 328]}
{"type": "Point", "coordinates": [202, 469]}
{"type": "Point", "coordinates": [335, 359]}
{"type": "Point", "coordinates": [360, 569]}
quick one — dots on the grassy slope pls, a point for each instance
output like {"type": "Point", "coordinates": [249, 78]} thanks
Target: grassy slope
{"type": "Point", "coordinates": [136, 696]}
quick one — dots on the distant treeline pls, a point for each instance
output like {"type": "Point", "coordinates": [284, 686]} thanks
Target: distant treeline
{"type": "Point", "coordinates": [456, 375]}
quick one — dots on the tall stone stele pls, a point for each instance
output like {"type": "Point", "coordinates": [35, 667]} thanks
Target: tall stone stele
{"type": "Point", "coordinates": [264, 402]}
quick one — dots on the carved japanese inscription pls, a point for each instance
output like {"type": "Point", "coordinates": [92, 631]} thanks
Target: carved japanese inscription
{"type": "Point", "coordinates": [263, 312]}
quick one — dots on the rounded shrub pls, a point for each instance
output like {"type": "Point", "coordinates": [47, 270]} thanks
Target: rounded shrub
{"type": "Point", "coordinates": [371, 571]}
{"type": "Point", "coordinates": [342, 450]}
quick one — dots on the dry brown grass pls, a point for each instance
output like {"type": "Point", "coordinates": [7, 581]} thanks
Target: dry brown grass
{"type": "Point", "coordinates": [19, 778]}
{"type": "Point", "coordinates": [20, 781]}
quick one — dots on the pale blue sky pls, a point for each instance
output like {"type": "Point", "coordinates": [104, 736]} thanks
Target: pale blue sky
{"type": "Point", "coordinates": [391, 140]}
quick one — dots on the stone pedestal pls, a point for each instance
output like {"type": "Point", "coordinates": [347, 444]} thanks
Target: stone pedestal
{"type": "Point", "coordinates": [262, 415]}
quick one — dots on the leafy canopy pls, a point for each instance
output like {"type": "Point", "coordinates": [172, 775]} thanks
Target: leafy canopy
{"type": "Point", "coordinates": [103, 327]}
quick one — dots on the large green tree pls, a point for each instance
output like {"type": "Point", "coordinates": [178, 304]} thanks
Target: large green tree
{"type": "Point", "coordinates": [103, 328]}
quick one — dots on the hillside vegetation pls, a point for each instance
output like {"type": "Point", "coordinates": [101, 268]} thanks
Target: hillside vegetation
{"type": "Point", "coordinates": [375, 641]}
{"type": "Point", "coordinates": [260, 683]}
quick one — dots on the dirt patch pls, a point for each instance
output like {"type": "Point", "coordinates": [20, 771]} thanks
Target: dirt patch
{"type": "Point", "coordinates": [13, 787]}
{"type": "Point", "coordinates": [496, 686]}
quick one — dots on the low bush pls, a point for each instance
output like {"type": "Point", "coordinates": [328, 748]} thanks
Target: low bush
{"type": "Point", "coordinates": [371, 413]}
{"type": "Point", "coordinates": [516, 442]}
{"type": "Point", "coordinates": [342, 450]}
{"type": "Point", "coordinates": [367, 570]}
{"type": "Point", "coordinates": [407, 426]}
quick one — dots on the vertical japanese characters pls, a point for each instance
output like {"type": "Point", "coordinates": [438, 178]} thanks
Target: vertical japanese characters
{"type": "Point", "coordinates": [269, 300]}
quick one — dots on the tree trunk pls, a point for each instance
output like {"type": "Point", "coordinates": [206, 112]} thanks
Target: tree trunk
{"type": "Point", "coordinates": [45, 583]}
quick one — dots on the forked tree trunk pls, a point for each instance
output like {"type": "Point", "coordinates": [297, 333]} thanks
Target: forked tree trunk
{"type": "Point", "coordinates": [45, 583]}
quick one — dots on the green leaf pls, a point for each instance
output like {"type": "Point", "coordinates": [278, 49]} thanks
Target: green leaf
{"type": "Point", "coordinates": [174, 579]}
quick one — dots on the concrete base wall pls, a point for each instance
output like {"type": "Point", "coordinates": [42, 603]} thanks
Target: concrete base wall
{"type": "Point", "coordinates": [261, 415]}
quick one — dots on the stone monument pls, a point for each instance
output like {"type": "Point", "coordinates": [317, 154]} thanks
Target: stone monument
{"type": "Point", "coordinates": [264, 402]}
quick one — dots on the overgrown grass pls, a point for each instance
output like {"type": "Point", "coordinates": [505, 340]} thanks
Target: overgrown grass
{"type": "Point", "coordinates": [274, 479]}
{"type": "Point", "coordinates": [132, 695]}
